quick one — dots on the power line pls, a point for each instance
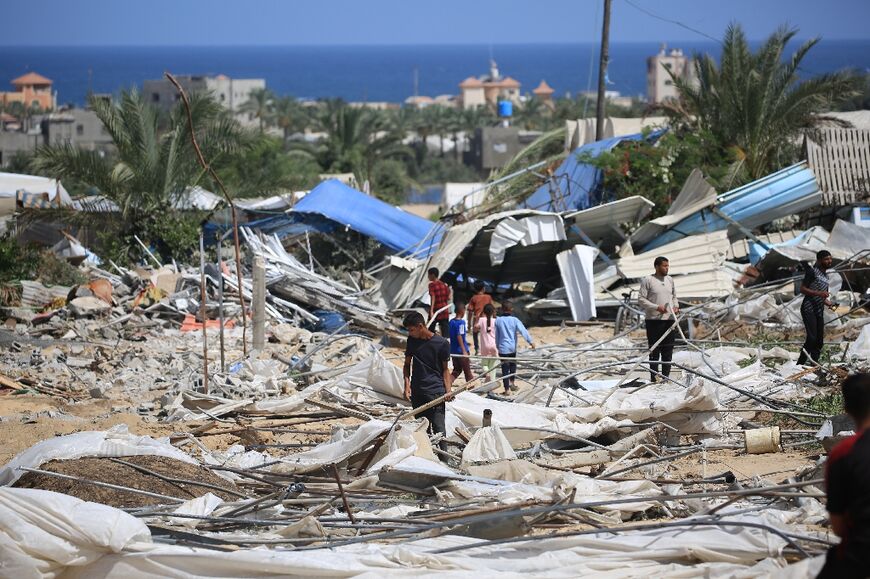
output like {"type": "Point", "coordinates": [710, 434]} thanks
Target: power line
{"type": "Point", "coordinates": [677, 22]}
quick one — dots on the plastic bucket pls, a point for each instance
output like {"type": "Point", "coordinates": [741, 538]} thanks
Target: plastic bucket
{"type": "Point", "coordinates": [762, 440]}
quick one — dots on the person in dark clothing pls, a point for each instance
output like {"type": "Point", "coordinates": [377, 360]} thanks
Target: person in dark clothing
{"type": "Point", "coordinates": [426, 372]}
{"type": "Point", "coordinates": [847, 478]}
{"type": "Point", "coordinates": [459, 344]}
{"type": "Point", "coordinates": [815, 290]}
{"type": "Point", "coordinates": [439, 299]}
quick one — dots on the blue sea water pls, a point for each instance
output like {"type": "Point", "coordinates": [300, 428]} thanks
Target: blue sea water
{"type": "Point", "coordinates": [370, 73]}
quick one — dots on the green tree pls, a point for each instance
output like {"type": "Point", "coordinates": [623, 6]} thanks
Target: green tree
{"type": "Point", "coordinates": [290, 116]}
{"type": "Point", "coordinates": [756, 103]}
{"type": "Point", "coordinates": [358, 138]}
{"type": "Point", "coordinates": [260, 105]}
{"type": "Point", "coordinates": [149, 170]}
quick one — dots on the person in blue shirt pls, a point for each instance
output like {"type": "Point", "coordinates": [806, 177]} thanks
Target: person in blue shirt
{"type": "Point", "coordinates": [459, 344]}
{"type": "Point", "coordinates": [506, 328]}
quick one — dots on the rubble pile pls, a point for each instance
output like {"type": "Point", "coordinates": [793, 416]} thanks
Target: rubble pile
{"type": "Point", "coordinates": [280, 442]}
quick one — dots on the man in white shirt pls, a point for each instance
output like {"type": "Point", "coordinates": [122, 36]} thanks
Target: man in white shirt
{"type": "Point", "coordinates": [658, 298]}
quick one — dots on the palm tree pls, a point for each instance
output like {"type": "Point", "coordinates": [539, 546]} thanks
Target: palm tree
{"type": "Point", "coordinates": [289, 115]}
{"type": "Point", "coordinates": [259, 105]}
{"type": "Point", "coordinates": [757, 104]}
{"type": "Point", "coordinates": [357, 138]}
{"type": "Point", "coordinates": [149, 170]}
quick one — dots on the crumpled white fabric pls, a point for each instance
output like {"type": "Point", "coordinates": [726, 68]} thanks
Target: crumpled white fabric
{"type": "Point", "coordinates": [117, 441]}
{"type": "Point", "coordinates": [525, 231]}
{"type": "Point", "coordinates": [45, 534]}
{"type": "Point", "coordinates": [42, 532]}
{"type": "Point", "coordinates": [488, 444]}
{"type": "Point", "coordinates": [200, 506]}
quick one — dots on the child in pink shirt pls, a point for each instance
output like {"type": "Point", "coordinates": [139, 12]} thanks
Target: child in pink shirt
{"type": "Point", "coordinates": [486, 329]}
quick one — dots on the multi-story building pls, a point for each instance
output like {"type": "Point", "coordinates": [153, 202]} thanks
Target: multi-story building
{"type": "Point", "coordinates": [488, 89]}
{"type": "Point", "coordinates": [78, 127]}
{"type": "Point", "coordinates": [230, 92]}
{"type": "Point", "coordinates": [33, 91]}
{"type": "Point", "coordinates": [659, 85]}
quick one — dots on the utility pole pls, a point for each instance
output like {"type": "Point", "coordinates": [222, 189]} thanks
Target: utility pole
{"type": "Point", "coordinates": [602, 72]}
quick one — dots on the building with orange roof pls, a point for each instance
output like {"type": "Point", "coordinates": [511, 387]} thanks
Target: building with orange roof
{"type": "Point", "coordinates": [487, 90]}
{"type": "Point", "coordinates": [31, 90]}
{"type": "Point", "coordinates": [544, 93]}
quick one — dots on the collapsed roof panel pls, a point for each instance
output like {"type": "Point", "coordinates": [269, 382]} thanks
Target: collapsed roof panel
{"type": "Point", "coordinates": [785, 192]}
{"type": "Point", "coordinates": [332, 205]}
{"type": "Point", "coordinates": [574, 184]}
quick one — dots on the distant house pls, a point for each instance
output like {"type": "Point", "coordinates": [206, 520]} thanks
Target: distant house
{"type": "Point", "coordinates": [487, 90]}
{"type": "Point", "coordinates": [77, 127]}
{"type": "Point", "coordinates": [232, 93]}
{"type": "Point", "coordinates": [31, 90]}
{"type": "Point", "coordinates": [659, 85]}
{"type": "Point", "coordinates": [544, 93]}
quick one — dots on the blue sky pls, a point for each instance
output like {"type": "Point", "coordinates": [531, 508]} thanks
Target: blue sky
{"type": "Point", "coordinates": [307, 22]}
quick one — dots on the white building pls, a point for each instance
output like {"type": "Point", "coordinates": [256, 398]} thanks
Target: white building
{"type": "Point", "coordinates": [230, 92]}
{"type": "Point", "coordinates": [659, 85]}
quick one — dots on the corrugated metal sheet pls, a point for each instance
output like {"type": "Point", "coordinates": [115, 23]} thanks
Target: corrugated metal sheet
{"type": "Point", "coordinates": [693, 286]}
{"type": "Point", "coordinates": [35, 295]}
{"type": "Point", "coordinates": [740, 248]}
{"type": "Point", "coordinates": [788, 191]}
{"type": "Point", "coordinates": [841, 161]}
{"type": "Point", "coordinates": [693, 254]}
{"type": "Point", "coordinates": [599, 222]}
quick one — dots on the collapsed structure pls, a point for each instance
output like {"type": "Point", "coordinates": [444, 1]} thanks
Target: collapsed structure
{"type": "Point", "coordinates": [296, 453]}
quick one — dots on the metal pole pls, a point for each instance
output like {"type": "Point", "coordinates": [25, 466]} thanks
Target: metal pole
{"type": "Point", "coordinates": [259, 303]}
{"type": "Point", "coordinates": [602, 72]}
{"type": "Point", "coordinates": [220, 266]}
{"type": "Point", "coordinates": [202, 312]}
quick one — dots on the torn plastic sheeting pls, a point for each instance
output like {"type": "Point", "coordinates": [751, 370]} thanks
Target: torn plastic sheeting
{"type": "Point", "coordinates": [200, 506]}
{"type": "Point", "coordinates": [334, 451]}
{"type": "Point", "coordinates": [860, 348]}
{"type": "Point", "coordinates": [525, 422]}
{"type": "Point", "coordinates": [43, 533]}
{"type": "Point", "coordinates": [659, 401]}
{"type": "Point", "coordinates": [488, 444]}
{"type": "Point", "coordinates": [525, 231]}
{"type": "Point", "coordinates": [116, 442]}
{"type": "Point", "coordinates": [56, 534]}
{"type": "Point", "coordinates": [575, 267]}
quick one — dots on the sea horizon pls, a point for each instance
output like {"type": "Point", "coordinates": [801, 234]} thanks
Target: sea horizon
{"type": "Point", "coordinates": [373, 72]}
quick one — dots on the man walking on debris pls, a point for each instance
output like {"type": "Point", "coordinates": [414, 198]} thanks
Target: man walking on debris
{"type": "Point", "coordinates": [815, 290]}
{"type": "Point", "coordinates": [427, 376]}
{"type": "Point", "coordinates": [847, 478]}
{"type": "Point", "coordinates": [506, 328]}
{"type": "Point", "coordinates": [658, 298]}
{"type": "Point", "coordinates": [439, 299]}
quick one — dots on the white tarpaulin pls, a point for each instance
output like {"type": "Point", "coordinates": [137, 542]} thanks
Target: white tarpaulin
{"type": "Point", "coordinates": [575, 265]}
{"type": "Point", "coordinates": [487, 445]}
{"type": "Point", "coordinates": [46, 535]}
{"type": "Point", "coordinates": [116, 441]}
{"type": "Point", "coordinates": [526, 231]}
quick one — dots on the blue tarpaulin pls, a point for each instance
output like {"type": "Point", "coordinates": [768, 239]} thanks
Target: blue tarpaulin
{"type": "Point", "coordinates": [333, 205]}
{"type": "Point", "coordinates": [576, 183]}
{"type": "Point", "coordinates": [786, 192]}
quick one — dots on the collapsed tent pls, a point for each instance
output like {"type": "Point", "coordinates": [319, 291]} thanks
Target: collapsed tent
{"type": "Point", "coordinates": [575, 183]}
{"type": "Point", "coordinates": [333, 205]}
{"type": "Point", "coordinates": [783, 193]}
